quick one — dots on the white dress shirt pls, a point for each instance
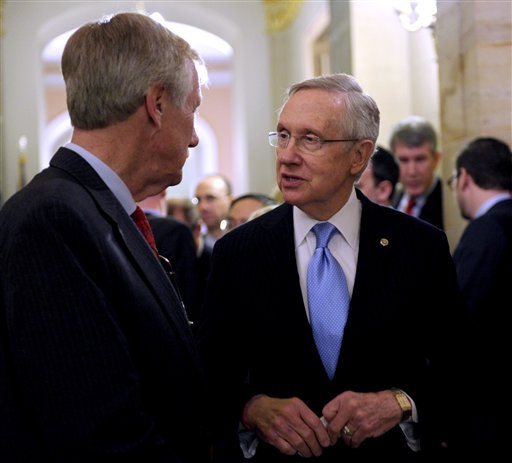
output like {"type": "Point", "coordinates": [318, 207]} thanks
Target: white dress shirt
{"type": "Point", "coordinates": [344, 246]}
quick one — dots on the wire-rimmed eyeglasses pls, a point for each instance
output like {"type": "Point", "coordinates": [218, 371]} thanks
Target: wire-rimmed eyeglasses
{"type": "Point", "coordinates": [309, 143]}
{"type": "Point", "coordinates": [452, 179]}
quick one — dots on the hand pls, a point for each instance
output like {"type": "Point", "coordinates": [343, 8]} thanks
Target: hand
{"type": "Point", "coordinates": [287, 424]}
{"type": "Point", "coordinates": [357, 416]}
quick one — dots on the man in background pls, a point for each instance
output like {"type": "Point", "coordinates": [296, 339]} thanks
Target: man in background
{"type": "Point", "coordinates": [414, 144]}
{"type": "Point", "coordinates": [97, 359]}
{"type": "Point", "coordinates": [244, 205]}
{"type": "Point", "coordinates": [380, 177]}
{"type": "Point", "coordinates": [213, 197]}
{"type": "Point", "coordinates": [482, 184]}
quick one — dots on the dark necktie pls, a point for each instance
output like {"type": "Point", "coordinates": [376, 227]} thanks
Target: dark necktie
{"type": "Point", "coordinates": [328, 298]}
{"type": "Point", "coordinates": [410, 205]}
{"type": "Point", "coordinates": [142, 223]}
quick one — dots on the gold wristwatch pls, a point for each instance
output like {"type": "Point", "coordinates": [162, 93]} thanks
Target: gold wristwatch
{"type": "Point", "coordinates": [404, 402]}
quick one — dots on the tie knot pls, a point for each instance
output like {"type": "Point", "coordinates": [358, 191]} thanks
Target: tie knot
{"type": "Point", "coordinates": [138, 216]}
{"type": "Point", "coordinates": [323, 232]}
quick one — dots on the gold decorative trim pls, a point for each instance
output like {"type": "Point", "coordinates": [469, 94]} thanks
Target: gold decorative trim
{"type": "Point", "coordinates": [280, 14]}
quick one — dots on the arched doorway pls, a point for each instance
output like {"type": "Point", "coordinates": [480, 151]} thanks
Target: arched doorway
{"type": "Point", "coordinates": [217, 54]}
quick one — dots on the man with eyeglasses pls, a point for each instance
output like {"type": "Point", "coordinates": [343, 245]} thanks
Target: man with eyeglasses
{"type": "Point", "coordinates": [392, 391]}
{"type": "Point", "coordinates": [482, 185]}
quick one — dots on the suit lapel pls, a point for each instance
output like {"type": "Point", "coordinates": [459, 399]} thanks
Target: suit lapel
{"type": "Point", "coordinates": [289, 308]}
{"type": "Point", "coordinates": [130, 239]}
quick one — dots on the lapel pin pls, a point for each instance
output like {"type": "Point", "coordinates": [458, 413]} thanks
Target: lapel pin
{"type": "Point", "coordinates": [384, 242]}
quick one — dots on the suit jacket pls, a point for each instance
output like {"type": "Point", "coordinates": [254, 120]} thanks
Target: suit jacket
{"type": "Point", "coordinates": [483, 259]}
{"type": "Point", "coordinates": [432, 210]}
{"type": "Point", "coordinates": [402, 324]}
{"type": "Point", "coordinates": [175, 241]}
{"type": "Point", "coordinates": [98, 362]}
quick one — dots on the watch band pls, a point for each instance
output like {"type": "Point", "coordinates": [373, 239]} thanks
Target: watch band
{"type": "Point", "coordinates": [404, 402]}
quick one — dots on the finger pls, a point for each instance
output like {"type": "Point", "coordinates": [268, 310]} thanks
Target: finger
{"type": "Point", "coordinates": [281, 443]}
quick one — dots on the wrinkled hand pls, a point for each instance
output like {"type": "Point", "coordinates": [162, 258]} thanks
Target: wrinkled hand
{"type": "Point", "coordinates": [287, 424]}
{"type": "Point", "coordinates": [364, 414]}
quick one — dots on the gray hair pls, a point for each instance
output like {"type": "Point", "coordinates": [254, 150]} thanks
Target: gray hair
{"type": "Point", "coordinates": [413, 131]}
{"type": "Point", "coordinates": [361, 118]}
{"type": "Point", "coordinates": [108, 66]}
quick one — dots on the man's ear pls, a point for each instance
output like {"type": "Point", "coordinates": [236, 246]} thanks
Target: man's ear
{"type": "Point", "coordinates": [154, 99]}
{"type": "Point", "coordinates": [361, 155]}
{"type": "Point", "coordinates": [384, 189]}
{"type": "Point", "coordinates": [463, 179]}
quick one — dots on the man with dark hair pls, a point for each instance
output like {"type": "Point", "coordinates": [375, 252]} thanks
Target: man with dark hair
{"type": "Point", "coordinates": [482, 183]}
{"type": "Point", "coordinates": [244, 205]}
{"type": "Point", "coordinates": [380, 177]}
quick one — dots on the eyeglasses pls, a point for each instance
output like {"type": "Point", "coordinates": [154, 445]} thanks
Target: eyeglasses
{"type": "Point", "coordinates": [452, 179]}
{"type": "Point", "coordinates": [309, 143]}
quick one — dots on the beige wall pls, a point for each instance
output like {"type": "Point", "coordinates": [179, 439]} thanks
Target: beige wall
{"type": "Point", "coordinates": [458, 76]}
{"type": "Point", "coordinates": [30, 25]}
{"type": "Point", "coordinates": [474, 45]}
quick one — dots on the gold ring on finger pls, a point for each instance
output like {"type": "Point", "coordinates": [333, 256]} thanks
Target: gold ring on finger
{"type": "Point", "coordinates": [346, 431]}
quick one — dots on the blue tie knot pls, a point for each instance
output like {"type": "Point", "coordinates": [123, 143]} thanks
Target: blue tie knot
{"type": "Point", "coordinates": [324, 232]}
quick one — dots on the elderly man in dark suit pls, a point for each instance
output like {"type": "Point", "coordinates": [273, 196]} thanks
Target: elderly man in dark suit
{"type": "Point", "coordinates": [98, 362]}
{"type": "Point", "coordinates": [392, 391]}
{"type": "Point", "coordinates": [482, 184]}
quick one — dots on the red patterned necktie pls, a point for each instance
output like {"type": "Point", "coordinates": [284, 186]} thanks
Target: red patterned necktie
{"type": "Point", "coordinates": [410, 205]}
{"type": "Point", "coordinates": [142, 223]}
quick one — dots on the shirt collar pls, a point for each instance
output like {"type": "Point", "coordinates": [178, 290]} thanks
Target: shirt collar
{"type": "Point", "coordinates": [491, 202]}
{"type": "Point", "coordinates": [347, 220]}
{"type": "Point", "coordinates": [111, 179]}
{"type": "Point", "coordinates": [420, 200]}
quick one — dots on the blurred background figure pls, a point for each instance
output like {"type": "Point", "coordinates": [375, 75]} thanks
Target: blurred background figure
{"type": "Point", "coordinates": [380, 177]}
{"type": "Point", "coordinates": [175, 241]}
{"type": "Point", "coordinates": [277, 195]}
{"type": "Point", "coordinates": [184, 209]}
{"type": "Point", "coordinates": [482, 185]}
{"type": "Point", "coordinates": [262, 210]}
{"type": "Point", "coordinates": [213, 197]}
{"type": "Point", "coordinates": [413, 142]}
{"type": "Point", "coordinates": [243, 206]}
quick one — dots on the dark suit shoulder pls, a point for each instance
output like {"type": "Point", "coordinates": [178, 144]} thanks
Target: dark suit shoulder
{"type": "Point", "coordinates": [383, 217]}
{"type": "Point", "coordinates": [168, 224]}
